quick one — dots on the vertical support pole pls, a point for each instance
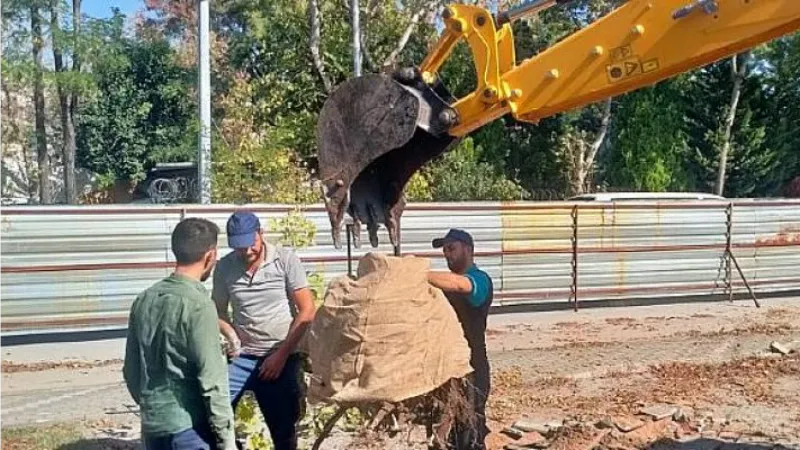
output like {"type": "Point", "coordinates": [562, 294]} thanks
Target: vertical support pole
{"type": "Point", "coordinates": [728, 254]}
{"type": "Point", "coordinates": [574, 288]}
{"type": "Point", "coordinates": [356, 37]}
{"type": "Point", "coordinates": [204, 100]}
{"type": "Point", "coordinates": [349, 232]}
{"type": "Point", "coordinates": [746, 284]}
{"type": "Point", "coordinates": [397, 247]}
{"type": "Point", "coordinates": [730, 257]}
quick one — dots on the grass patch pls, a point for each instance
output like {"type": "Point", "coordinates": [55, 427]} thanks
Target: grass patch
{"type": "Point", "coordinates": [45, 437]}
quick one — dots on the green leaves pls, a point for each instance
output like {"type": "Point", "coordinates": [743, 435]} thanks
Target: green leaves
{"type": "Point", "coordinates": [649, 141]}
{"type": "Point", "coordinates": [460, 175]}
{"type": "Point", "coordinates": [255, 164]}
{"type": "Point", "coordinates": [142, 111]}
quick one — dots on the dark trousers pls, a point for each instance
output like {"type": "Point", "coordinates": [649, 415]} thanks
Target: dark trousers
{"type": "Point", "coordinates": [280, 400]}
{"type": "Point", "coordinates": [473, 437]}
{"type": "Point", "coordinates": [185, 440]}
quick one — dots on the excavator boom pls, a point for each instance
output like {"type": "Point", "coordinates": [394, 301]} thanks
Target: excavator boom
{"type": "Point", "coordinates": [376, 131]}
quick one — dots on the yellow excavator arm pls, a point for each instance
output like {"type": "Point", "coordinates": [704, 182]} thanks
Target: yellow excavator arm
{"type": "Point", "coordinates": [636, 45]}
{"type": "Point", "coordinates": [375, 131]}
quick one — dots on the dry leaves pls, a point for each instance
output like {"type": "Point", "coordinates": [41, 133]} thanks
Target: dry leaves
{"type": "Point", "coordinates": [12, 367]}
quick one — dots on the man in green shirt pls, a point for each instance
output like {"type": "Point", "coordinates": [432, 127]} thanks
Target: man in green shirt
{"type": "Point", "coordinates": [174, 367]}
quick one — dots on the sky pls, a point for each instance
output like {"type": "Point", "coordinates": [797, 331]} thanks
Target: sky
{"type": "Point", "coordinates": [102, 8]}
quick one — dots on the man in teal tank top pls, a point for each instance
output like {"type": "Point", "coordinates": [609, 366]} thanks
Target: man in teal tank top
{"type": "Point", "coordinates": [469, 291]}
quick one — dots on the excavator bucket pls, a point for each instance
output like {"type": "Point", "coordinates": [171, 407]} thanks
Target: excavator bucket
{"type": "Point", "coordinates": [374, 132]}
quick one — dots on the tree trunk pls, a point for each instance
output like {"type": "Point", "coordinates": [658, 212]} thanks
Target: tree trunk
{"type": "Point", "coordinates": [579, 168]}
{"type": "Point", "coordinates": [69, 157]}
{"type": "Point", "coordinates": [737, 74]}
{"type": "Point", "coordinates": [67, 125]}
{"type": "Point", "coordinates": [600, 138]}
{"type": "Point", "coordinates": [76, 54]}
{"type": "Point", "coordinates": [584, 153]}
{"type": "Point", "coordinates": [315, 25]}
{"type": "Point", "coordinates": [45, 194]}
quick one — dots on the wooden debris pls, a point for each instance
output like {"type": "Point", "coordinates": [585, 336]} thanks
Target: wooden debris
{"type": "Point", "coordinates": [659, 411]}
{"type": "Point", "coordinates": [627, 424]}
{"type": "Point", "coordinates": [512, 432]}
{"type": "Point", "coordinates": [779, 348]}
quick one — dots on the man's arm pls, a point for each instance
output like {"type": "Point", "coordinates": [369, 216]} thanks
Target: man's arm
{"type": "Point", "coordinates": [475, 285]}
{"type": "Point", "coordinates": [300, 294]}
{"type": "Point", "coordinates": [132, 367]}
{"type": "Point", "coordinates": [219, 293]}
{"type": "Point", "coordinates": [212, 375]}
{"type": "Point", "coordinates": [450, 282]}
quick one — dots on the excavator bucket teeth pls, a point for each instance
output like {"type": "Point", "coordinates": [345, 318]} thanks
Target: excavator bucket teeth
{"type": "Point", "coordinates": [373, 134]}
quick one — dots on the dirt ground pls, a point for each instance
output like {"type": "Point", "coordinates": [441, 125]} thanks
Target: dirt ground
{"type": "Point", "coordinates": [713, 367]}
{"type": "Point", "coordinates": [581, 380]}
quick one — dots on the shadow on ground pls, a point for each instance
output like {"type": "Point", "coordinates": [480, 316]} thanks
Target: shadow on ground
{"type": "Point", "coordinates": [714, 444]}
{"type": "Point", "coordinates": [102, 444]}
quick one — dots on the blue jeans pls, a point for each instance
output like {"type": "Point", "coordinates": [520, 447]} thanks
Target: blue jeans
{"type": "Point", "coordinates": [280, 400]}
{"type": "Point", "coordinates": [185, 440]}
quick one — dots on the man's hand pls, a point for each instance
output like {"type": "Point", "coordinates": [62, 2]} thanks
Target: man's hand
{"type": "Point", "coordinates": [233, 348]}
{"type": "Point", "coordinates": [272, 366]}
{"type": "Point", "coordinates": [231, 336]}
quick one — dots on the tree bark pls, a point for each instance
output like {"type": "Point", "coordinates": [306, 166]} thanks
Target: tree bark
{"type": "Point", "coordinates": [45, 194]}
{"type": "Point", "coordinates": [67, 124]}
{"type": "Point", "coordinates": [737, 75]}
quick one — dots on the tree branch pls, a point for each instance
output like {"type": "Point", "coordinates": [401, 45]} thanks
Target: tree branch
{"type": "Point", "coordinates": [737, 75]}
{"type": "Point", "coordinates": [372, 8]}
{"type": "Point", "coordinates": [365, 50]}
{"type": "Point", "coordinates": [315, 22]}
{"type": "Point", "coordinates": [601, 135]}
{"type": "Point", "coordinates": [412, 25]}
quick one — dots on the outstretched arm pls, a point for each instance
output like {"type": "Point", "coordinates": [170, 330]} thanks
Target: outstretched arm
{"type": "Point", "coordinates": [476, 286]}
{"type": "Point", "coordinates": [450, 282]}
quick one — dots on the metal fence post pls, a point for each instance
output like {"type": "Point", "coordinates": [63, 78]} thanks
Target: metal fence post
{"type": "Point", "coordinates": [348, 231]}
{"type": "Point", "coordinates": [728, 231]}
{"type": "Point", "coordinates": [397, 247]}
{"type": "Point", "coordinates": [730, 257]}
{"type": "Point", "coordinates": [574, 288]}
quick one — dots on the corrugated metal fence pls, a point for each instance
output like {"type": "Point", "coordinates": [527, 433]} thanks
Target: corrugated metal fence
{"type": "Point", "coordinates": [79, 268]}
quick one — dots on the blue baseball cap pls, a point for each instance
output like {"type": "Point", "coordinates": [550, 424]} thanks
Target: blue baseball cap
{"type": "Point", "coordinates": [453, 235]}
{"type": "Point", "coordinates": [241, 229]}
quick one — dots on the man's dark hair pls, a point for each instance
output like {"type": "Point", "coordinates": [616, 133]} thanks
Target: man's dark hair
{"type": "Point", "coordinates": [192, 238]}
